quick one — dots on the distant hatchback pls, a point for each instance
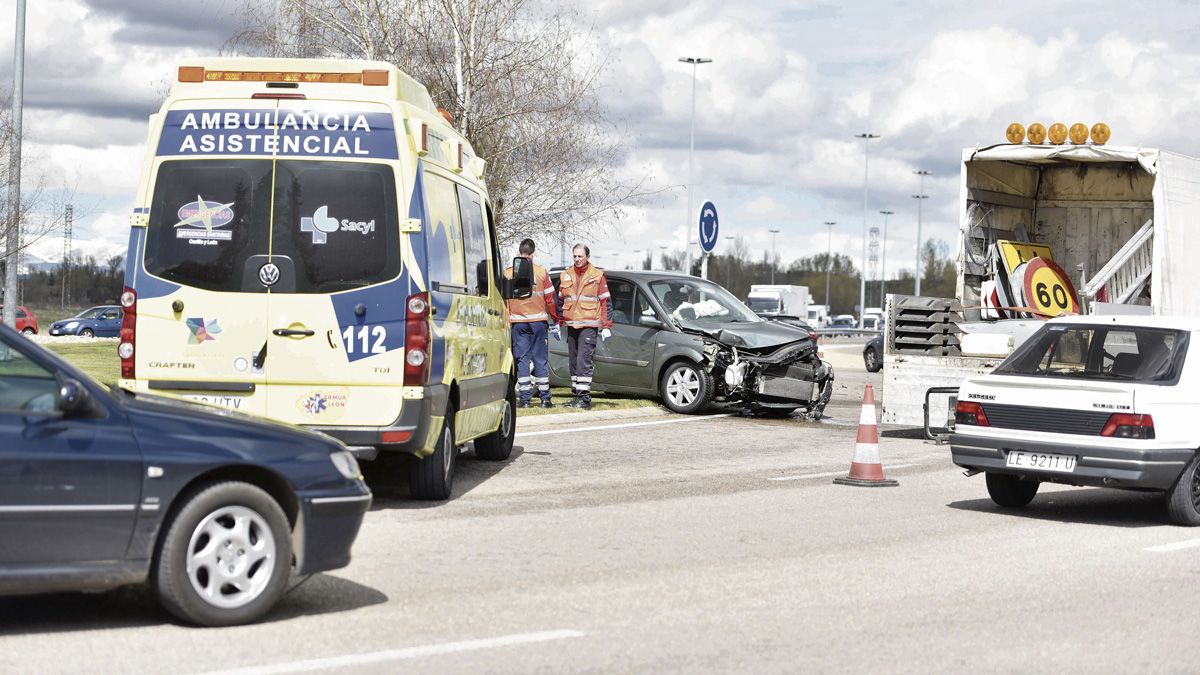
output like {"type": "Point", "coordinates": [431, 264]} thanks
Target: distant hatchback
{"type": "Point", "coordinates": [101, 488]}
{"type": "Point", "coordinates": [103, 321]}
{"type": "Point", "coordinates": [27, 323]}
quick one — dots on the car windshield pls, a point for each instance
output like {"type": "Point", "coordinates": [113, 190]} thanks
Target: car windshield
{"type": "Point", "coordinates": [1100, 353]}
{"type": "Point", "coordinates": [89, 313]}
{"type": "Point", "coordinates": [762, 304]}
{"type": "Point", "coordinates": [699, 304]}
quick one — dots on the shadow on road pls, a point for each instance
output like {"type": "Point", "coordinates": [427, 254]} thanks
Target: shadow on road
{"type": "Point", "coordinates": [389, 483]}
{"type": "Point", "coordinates": [1093, 506]}
{"type": "Point", "coordinates": [137, 606]}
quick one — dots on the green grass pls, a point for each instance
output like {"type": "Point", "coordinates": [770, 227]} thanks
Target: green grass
{"type": "Point", "coordinates": [98, 360]}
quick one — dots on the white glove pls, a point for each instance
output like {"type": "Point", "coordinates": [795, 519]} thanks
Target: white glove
{"type": "Point", "coordinates": [556, 332]}
{"type": "Point", "coordinates": [605, 333]}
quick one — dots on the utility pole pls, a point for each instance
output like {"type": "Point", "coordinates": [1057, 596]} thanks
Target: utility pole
{"type": "Point", "coordinates": [829, 265]}
{"type": "Point", "coordinates": [687, 229]}
{"type": "Point", "coordinates": [65, 268]}
{"type": "Point", "coordinates": [13, 240]}
{"type": "Point", "coordinates": [920, 197]}
{"type": "Point", "coordinates": [773, 233]}
{"type": "Point", "coordinates": [862, 283]}
{"type": "Point", "coordinates": [729, 266]}
{"type": "Point", "coordinates": [883, 261]}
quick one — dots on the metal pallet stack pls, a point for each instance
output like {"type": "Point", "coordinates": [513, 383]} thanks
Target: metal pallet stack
{"type": "Point", "coordinates": [925, 326]}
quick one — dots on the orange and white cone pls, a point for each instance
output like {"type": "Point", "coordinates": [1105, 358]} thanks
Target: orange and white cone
{"type": "Point", "coordinates": [865, 470]}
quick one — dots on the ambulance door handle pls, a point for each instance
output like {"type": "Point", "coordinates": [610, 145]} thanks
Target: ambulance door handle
{"type": "Point", "coordinates": [292, 332]}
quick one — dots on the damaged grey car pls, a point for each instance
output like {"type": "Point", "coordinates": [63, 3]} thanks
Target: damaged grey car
{"type": "Point", "coordinates": [694, 345]}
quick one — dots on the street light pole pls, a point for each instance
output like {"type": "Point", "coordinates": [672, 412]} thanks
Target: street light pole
{"type": "Point", "coordinates": [13, 240]}
{"type": "Point", "coordinates": [687, 232]}
{"type": "Point", "coordinates": [829, 265]}
{"type": "Point", "coordinates": [883, 262]}
{"type": "Point", "coordinates": [920, 197]}
{"type": "Point", "coordinates": [773, 233]}
{"type": "Point", "coordinates": [862, 283]}
{"type": "Point", "coordinates": [729, 265]}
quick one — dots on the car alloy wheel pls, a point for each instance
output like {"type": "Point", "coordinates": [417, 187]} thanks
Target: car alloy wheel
{"type": "Point", "coordinates": [87, 333]}
{"type": "Point", "coordinates": [683, 386]}
{"type": "Point", "coordinates": [871, 360]}
{"type": "Point", "coordinates": [29, 331]}
{"type": "Point", "coordinates": [231, 556]}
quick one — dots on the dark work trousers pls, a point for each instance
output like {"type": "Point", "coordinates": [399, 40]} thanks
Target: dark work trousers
{"type": "Point", "coordinates": [529, 345]}
{"type": "Point", "coordinates": [581, 347]}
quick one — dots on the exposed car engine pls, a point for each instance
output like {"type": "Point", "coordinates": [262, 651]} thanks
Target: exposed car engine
{"type": "Point", "coordinates": [779, 378]}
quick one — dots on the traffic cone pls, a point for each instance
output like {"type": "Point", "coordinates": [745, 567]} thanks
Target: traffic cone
{"type": "Point", "coordinates": [865, 470]}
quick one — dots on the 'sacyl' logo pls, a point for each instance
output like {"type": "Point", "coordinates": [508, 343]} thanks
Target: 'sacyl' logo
{"type": "Point", "coordinates": [322, 224]}
{"type": "Point", "coordinates": [268, 274]}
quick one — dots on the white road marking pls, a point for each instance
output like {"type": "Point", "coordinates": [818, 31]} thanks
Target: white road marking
{"type": "Point", "coordinates": [622, 426]}
{"type": "Point", "coordinates": [340, 662]}
{"type": "Point", "coordinates": [1177, 546]}
{"type": "Point", "coordinates": [833, 474]}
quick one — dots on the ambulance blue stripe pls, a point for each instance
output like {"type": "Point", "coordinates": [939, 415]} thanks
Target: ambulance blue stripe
{"type": "Point", "coordinates": [384, 308]}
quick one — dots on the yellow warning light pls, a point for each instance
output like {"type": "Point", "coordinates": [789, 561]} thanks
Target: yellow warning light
{"type": "Point", "coordinates": [1100, 133]}
{"type": "Point", "coordinates": [1057, 133]}
{"type": "Point", "coordinates": [1078, 133]}
{"type": "Point", "coordinates": [1015, 133]}
{"type": "Point", "coordinates": [1037, 133]}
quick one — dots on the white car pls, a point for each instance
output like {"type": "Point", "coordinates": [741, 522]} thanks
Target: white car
{"type": "Point", "coordinates": [1096, 401]}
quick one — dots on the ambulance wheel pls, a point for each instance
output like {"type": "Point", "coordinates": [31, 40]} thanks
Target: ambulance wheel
{"type": "Point", "coordinates": [1011, 491]}
{"type": "Point", "coordinates": [498, 445]}
{"type": "Point", "coordinates": [431, 478]}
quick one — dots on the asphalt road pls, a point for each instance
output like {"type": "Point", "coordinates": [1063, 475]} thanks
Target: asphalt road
{"type": "Point", "coordinates": [686, 544]}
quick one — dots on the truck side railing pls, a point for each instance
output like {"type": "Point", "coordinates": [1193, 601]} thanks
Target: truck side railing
{"type": "Point", "coordinates": [1125, 275]}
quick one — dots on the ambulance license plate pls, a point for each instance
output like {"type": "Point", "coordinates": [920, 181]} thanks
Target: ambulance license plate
{"type": "Point", "coordinates": [1043, 461]}
{"type": "Point", "coordinates": [220, 400]}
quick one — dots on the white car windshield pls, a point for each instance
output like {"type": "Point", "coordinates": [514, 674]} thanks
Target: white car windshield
{"type": "Point", "coordinates": [698, 303]}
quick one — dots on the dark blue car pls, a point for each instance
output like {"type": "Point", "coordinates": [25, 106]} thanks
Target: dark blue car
{"type": "Point", "coordinates": [101, 488]}
{"type": "Point", "coordinates": [103, 321]}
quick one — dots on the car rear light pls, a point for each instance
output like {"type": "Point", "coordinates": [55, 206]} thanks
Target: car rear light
{"type": "Point", "coordinates": [395, 436]}
{"type": "Point", "coordinates": [416, 340]}
{"type": "Point", "coordinates": [1124, 425]}
{"type": "Point", "coordinates": [967, 412]}
{"type": "Point", "coordinates": [128, 325]}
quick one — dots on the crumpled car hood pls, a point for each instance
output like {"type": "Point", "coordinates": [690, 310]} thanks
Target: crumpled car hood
{"type": "Point", "coordinates": [755, 334]}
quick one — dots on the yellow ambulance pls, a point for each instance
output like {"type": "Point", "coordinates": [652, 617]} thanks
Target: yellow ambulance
{"type": "Point", "coordinates": [312, 242]}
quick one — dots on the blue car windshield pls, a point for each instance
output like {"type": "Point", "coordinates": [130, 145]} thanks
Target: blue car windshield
{"type": "Point", "coordinates": [89, 313]}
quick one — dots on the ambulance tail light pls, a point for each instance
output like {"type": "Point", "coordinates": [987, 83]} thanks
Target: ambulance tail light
{"type": "Point", "coordinates": [125, 349]}
{"type": "Point", "coordinates": [416, 340]}
{"type": "Point", "coordinates": [1124, 425]}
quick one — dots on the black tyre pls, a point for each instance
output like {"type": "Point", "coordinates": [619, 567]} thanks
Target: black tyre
{"type": "Point", "coordinates": [685, 388]}
{"type": "Point", "coordinates": [225, 557]}
{"type": "Point", "coordinates": [498, 445]}
{"type": "Point", "coordinates": [87, 333]}
{"type": "Point", "coordinates": [871, 361]}
{"type": "Point", "coordinates": [1010, 491]}
{"type": "Point", "coordinates": [1183, 499]}
{"type": "Point", "coordinates": [432, 478]}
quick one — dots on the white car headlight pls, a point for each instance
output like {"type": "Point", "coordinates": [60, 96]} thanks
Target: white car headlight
{"type": "Point", "coordinates": [71, 325]}
{"type": "Point", "coordinates": [346, 464]}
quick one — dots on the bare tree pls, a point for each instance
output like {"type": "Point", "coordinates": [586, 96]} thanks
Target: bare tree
{"type": "Point", "coordinates": [520, 80]}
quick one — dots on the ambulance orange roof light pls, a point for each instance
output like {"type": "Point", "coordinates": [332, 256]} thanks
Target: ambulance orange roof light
{"type": "Point", "coordinates": [370, 78]}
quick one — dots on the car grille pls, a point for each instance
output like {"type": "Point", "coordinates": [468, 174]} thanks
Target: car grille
{"type": "Point", "coordinates": [1053, 420]}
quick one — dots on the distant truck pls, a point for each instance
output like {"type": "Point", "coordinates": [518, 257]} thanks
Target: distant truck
{"type": "Point", "coordinates": [818, 316]}
{"type": "Point", "coordinates": [1031, 217]}
{"type": "Point", "coordinates": [771, 301]}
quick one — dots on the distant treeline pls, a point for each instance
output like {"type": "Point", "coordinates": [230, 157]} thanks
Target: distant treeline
{"type": "Point", "coordinates": [89, 282]}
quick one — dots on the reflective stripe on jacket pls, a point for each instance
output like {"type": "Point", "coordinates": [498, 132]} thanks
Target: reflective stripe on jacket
{"type": "Point", "coordinates": [585, 298]}
{"type": "Point", "coordinates": [539, 306]}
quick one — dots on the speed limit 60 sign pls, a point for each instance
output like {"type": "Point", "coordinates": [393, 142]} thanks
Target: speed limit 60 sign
{"type": "Point", "coordinates": [1048, 290]}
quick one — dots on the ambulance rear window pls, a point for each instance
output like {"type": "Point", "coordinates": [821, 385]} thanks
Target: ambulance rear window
{"type": "Point", "coordinates": [338, 223]}
{"type": "Point", "coordinates": [207, 218]}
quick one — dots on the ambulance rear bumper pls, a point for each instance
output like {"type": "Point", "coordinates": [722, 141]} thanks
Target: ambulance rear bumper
{"type": "Point", "coordinates": [408, 433]}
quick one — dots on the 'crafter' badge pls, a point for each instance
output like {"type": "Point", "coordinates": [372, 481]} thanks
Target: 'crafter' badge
{"type": "Point", "coordinates": [268, 274]}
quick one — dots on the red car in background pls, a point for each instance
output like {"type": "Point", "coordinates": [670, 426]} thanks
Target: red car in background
{"type": "Point", "coordinates": [26, 321]}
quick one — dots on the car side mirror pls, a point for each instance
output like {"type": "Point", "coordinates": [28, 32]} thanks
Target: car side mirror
{"type": "Point", "coordinates": [650, 321]}
{"type": "Point", "coordinates": [72, 398]}
{"type": "Point", "coordinates": [521, 284]}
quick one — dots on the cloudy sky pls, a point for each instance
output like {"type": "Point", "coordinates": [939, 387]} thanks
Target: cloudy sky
{"type": "Point", "coordinates": [790, 85]}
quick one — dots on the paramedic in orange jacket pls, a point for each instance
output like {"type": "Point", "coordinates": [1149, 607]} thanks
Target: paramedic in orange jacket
{"type": "Point", "coordinates": [529, 318]}
{"type": "Point", "coordinates": [584, 301]}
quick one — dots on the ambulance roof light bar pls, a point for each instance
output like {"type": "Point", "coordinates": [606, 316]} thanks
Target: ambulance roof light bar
{"type": "Point", "coordinates": [369, 78]}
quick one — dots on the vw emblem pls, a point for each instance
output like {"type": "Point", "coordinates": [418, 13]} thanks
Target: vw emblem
{"type": "Point", "coordinates": [268, 274]}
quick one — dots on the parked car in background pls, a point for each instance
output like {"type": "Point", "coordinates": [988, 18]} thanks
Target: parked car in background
{"type": "Point", "coordinates": [692, 343]}
{"type": "Point", "coordinates": [873, 354]}
{"type": "Point", "coordinates": [103, 321]}
{"type": "Point", "coordinates": [102, 488]}
{"type": "Point", "coordinates": [840, 324]}
{"type": "Point", "coordinates": [27, 323]}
